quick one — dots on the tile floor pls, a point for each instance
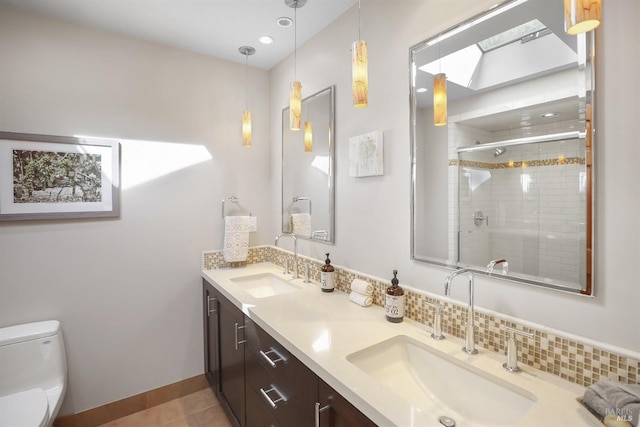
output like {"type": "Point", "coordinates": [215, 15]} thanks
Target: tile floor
{"type": "Point", "coordinates": [194, 410]}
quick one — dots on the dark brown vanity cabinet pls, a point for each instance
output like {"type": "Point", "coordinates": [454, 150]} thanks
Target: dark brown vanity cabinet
{"type": "Point", "coordinates": [224, 352]}
{"type": "Point", "coordinates": [258, 382]}
{"type": "Point", "coordinates": [336, 411]}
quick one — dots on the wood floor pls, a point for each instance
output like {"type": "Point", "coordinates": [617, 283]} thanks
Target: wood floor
{"type": "Point", "coordinates": [194, 410]}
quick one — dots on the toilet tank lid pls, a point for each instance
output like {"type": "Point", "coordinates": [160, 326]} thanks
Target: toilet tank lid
{"type": "Point", "coordinates": [28, 331]}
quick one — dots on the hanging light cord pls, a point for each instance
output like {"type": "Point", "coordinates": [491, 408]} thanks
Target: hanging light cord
{"type": "Point", "coordinates": [295, 43]}
{"type": "Point", "coordinates": [359, 37]}
{"type": "Point", "coordinates": [246, 80]}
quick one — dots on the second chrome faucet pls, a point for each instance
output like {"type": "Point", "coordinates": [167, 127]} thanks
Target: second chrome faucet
{"type": "Point", "coordinates": [295, 254]}
{"type": "Point", "coordinates": [470, 343]}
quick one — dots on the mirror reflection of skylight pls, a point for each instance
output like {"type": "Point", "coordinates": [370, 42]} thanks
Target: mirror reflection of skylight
{"type": "Point", "coordinates": [459, 66]}
{"type": "Point", "coordinates": [511, 35]}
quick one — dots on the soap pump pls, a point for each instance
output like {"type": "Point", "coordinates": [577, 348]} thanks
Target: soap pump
{"type": "Point", "coordinates": [394, 302]}
{"type": "Point", "coordinates": [327, 273]}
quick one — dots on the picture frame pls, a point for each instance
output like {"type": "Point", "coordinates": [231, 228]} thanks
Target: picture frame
{"type": "Point", "coordinates": [46, 177]}
{"type": "Point", "coordinates": [366, 155]}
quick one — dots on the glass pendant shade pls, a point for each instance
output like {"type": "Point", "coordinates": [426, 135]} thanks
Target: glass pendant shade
{"type": "Point", "coordinates": [295, 106]}
{"type": "Point", "coordinates": [360, 75]}
{"type": "Point", "coordinates": [246, 128]}
{"type": "Point", "coordinates": [308, 137]}
{"type": "Point", "coordinates": [440, 99]}
{"type": "Point", "coordinates": [246, 114]}
{"type": "Point", "coordinates": [581, 16]}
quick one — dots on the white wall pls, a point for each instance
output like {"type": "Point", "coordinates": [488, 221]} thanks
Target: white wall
{"type": "Point", "coordinates": [127, 290]}
{"type": "Point", "coordinates": [373, 227]}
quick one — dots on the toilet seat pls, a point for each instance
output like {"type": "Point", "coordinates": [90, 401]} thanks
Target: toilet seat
{"type": "Point", "coordinates": [28, 408]}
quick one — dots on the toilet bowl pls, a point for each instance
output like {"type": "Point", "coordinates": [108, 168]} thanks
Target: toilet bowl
{"type": "Point", "coordinates": [33, 371]}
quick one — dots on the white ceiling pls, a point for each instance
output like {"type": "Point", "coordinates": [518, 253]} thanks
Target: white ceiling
{"type": "Point", "coordinates": [211, 27]}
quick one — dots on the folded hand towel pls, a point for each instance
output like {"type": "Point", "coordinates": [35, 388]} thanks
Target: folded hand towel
{"type": "Point", "coordinates": [253, 224]}
{"type": "Point", "coordinates": [611, 397]}
{"type": "Point", "coordinates": [363, 300]}
{"type": "Point", "coordinates": [362, 287]}
{"type": "Point", "coordinates": [236, 238]}
{"type": "Point", "coordinates": [301, 224]}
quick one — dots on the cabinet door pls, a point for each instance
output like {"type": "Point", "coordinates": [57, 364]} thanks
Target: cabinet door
{"type": "Point", "coordinates": [339, 412]}
{"type": "Point", "coordinates": [211, 336]}
{"type": "Point", "coordinates": [232, 387]}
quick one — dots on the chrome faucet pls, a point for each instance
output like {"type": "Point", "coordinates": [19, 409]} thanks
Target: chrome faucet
{"type": "Point", "coordinates": [470, 343]}
{"type": "Point", "coordinates": [295, 252]}
{"type": "Point", "coordinates": [492, 264]}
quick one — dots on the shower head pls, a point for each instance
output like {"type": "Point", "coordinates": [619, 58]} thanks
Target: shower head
{"type": "Point", "coordinates": [499, 151]}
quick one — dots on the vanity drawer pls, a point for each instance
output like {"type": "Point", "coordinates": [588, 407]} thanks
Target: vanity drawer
{"type": "Point", "coordinates": [262, 387]}
{"type": "Point", "coordinates": [258, 414]}
{"type": "Point", "coordinates": [296, 379]}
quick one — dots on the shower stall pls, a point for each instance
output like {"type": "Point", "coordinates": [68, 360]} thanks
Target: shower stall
{"type": "Point", "coordinates": [525, 200]}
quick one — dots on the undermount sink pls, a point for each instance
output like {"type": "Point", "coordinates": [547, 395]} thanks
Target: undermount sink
{"type": "Point", "coordinates": [264, 285]}
{"type": "Point", "coordinates": [441, 385]}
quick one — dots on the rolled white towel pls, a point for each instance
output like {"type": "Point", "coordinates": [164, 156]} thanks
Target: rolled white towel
{"type": "Point", "coordinates": [362, 287]}
{"type": "Point", "coordinates": [360, 299]}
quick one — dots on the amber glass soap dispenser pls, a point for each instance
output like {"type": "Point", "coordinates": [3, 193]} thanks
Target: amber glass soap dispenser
{"type": "Point", "coordinates": [327, 276]}
{"type": "Point", "coordinates": [394, 303]}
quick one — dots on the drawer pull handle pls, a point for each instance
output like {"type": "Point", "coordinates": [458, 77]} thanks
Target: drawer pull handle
{"type": "Point", "coordinates": [209, 309]}
{"type": "Point", "coordinates": [318, 410]}
{"type": "Point", "coordinates": [236, 335]}
{"type": "Point", "coordinates": [274, 361]}
{"type": "Point", "coordinates": [265, 394]}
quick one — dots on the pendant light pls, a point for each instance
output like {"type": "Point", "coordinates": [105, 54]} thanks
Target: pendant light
{"type": "Point", "coordinates": [246, 114]}
{"type": "Point", "coordinates": [308, 137]}
{"type": "Point", "coordinates": [440, 93]}
{"type": "Point", "coordinates": [295, 91]}
{"type": "Point", "coordinates": [440, 99]}
{"type": "Point", "coordinates": [359, 72]}
{"type": "Point", "coordinates": [581, 16]}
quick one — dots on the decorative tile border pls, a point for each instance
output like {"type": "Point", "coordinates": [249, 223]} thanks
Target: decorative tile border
{"type": "Point", "coordinates": [569, 359]}
{"type": "Point", "coordinates": [519, 164]}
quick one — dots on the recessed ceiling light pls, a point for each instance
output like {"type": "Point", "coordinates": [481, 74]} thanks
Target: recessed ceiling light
{"type": "Point", "coordinates": [547, 115]}
{"type": "Point", "coordinates": [266, 39]}
{"type": "Point", "coordinates": [421, 90]}
{"type": "Point", "coordinates": [284, 22]}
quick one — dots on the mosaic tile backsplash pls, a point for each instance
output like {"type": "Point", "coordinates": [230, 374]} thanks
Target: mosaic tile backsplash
{"type": "Point", "coordinates": [571, 360]}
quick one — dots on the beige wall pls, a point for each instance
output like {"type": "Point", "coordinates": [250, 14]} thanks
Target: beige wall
{"type": "Point", "coordinates": [373, 214]}
{"type": "Point", "coordinates": [127, 290]}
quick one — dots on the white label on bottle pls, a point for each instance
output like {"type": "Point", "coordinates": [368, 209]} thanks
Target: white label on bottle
{"type": "Point", "coordinates": [327, 280]}
{"type": "Point", "coordinates": [394, 306]}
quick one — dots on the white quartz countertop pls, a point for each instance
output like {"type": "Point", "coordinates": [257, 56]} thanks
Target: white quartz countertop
{"type": "Point", "coordinates": [322, 329]}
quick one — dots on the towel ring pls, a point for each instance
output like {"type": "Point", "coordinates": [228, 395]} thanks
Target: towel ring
{"type": "Point", "coordinates": [303, 198]}
{"type": "Point", "coordinates": [233, 199]}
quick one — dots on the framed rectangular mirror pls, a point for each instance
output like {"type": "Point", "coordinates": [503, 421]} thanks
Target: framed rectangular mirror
{"type": "Point", "coordinates": [307, 172]}
{"type": "Point", "coordinates": [510, 175]}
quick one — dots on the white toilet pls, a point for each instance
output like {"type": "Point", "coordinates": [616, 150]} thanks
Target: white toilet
{"type": "Point", "coordinates": [33, 374]}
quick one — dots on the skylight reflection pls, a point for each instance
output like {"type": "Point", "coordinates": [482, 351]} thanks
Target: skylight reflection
{"type": "Point", "coordinates": [321, 163]}
{"type": "Point", "coordinates": [511, 35]}
{"type": "Point", "coordinates": [459, 66]}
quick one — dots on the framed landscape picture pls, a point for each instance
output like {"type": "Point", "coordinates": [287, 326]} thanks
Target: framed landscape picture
{"type": "Point", "coordinates": [58, 177]}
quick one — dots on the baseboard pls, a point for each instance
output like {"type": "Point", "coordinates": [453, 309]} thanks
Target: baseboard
{"type": "Point", "coordinates": [121, 408]}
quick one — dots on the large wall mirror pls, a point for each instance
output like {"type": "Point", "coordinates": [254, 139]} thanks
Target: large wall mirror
{"type": "Point", "coordinates": [509, 177]}
{"type": "Point", "coordinates": [307, 170]}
